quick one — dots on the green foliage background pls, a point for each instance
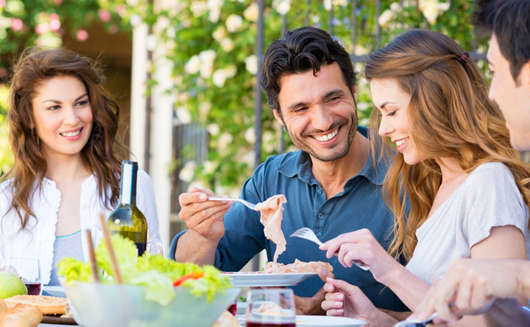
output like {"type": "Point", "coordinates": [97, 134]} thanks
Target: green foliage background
{"type": "Point", "coordinates": [225, 106]}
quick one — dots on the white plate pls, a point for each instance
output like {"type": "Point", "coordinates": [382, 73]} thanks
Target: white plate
{"type": "Point", "coordinates": [327, 321]}
{"type": "Point", "coordinates": [54, 290]}
{"type": "Point", "coordinates": [254, 279]}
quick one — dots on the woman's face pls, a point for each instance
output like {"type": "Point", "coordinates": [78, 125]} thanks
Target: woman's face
{"type": "Point", "coordinates": [393, 104]}
{"type": "Point", "coordinates": [62, 115]}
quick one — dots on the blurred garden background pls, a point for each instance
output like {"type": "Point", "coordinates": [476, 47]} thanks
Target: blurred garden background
{"type": "Point", "coordinates": [207, 52]}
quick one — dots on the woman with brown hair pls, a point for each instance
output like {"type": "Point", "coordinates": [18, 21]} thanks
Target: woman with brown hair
{"type": "Point", "coordinates": [456, 187]}
{"type": "Point", "coordinates": [67, 161]}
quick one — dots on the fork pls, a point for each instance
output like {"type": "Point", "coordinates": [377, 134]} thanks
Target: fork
{"type": "Point", "coordinates": [246, 203]}
{"type": "Point", "coordinates": [423, 323]}
{"type": "Point", "coordinates": [308, 234]}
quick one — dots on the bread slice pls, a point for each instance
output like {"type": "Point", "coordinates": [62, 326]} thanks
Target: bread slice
{"type": "Point", "coordinates": [20, 315]}
{"type": "Point", "coordinates": [48, 305]}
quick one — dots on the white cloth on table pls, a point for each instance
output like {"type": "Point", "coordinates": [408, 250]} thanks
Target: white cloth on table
{"type": "Point", "coordinates": [37, 239]}
{"type": "Point", "coordinates": [487, 198]}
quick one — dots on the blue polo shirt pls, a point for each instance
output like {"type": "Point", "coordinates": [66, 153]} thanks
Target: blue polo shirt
{"type": "Point", "coordinates": [359, 205]}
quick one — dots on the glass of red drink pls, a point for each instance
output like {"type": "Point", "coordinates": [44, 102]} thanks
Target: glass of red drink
{"type": "Point", "coordinates": [271, 307]}
{"type": "Point", "coordinates": [28, 269]}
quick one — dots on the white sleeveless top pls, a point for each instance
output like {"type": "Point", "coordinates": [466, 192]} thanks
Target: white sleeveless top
{"type": "Point", "coordinates": [487, 198]}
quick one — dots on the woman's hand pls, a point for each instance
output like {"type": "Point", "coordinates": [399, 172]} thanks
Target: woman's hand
{"type": "Point", "coordinates": [344, 299]}
{"type": "Point", "coordinates": [362, 248]}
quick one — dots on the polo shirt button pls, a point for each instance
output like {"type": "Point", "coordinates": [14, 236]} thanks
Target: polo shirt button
{"type": "Point", "coordinates": [320, 215]}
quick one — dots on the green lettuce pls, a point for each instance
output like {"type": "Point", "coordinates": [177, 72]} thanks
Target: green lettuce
{"type": "Point", "coordinates": [153, 272]}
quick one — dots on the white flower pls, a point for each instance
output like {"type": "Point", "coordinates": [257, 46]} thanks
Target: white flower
{"type": "Point", "coordinates": [234, 23]}
{"type": "Point", "coordinates": [215, 10]}
{"type": "Point", "coordinates": [251, 63]}
{"type": "Point", "coordinates": [219, 33]}
{"type": "Point", "coordinates": [385, 17]}
{"type": "Point", "coordinates": [204, 108]}
{"type": "Point", "coordinates": [163, 22]}
{"type": "Point", "coordinates": [206, 57]}
{"type": "Point", "coordinates": [135, 20]}
{"type": "Point", "coordinates": [431, 9]}
{"type": "Point", "coordinates": [188, 171]}
{"type": "Point", "coordinates": [213, 129]}
{"type": "Point", "coordinates": [219, 77]}
{"type": "Point", "coordinates": [395, 7]}
{"type": "Point", "coordinates": [282, 6]}
{"type": "Point", "coordinates": [328, 4]}
{"type": "Point", "coordinates": [183, 115]}
{"type": "Point", "coordinates": [268, 137]}
{"type": "Point", "coordinates": [198, 8]}
{"type": "Point", "coordinates": [268, 147]}
{"type": "Point", "coordinates": [209, 166]}
{"type": "Point", "coordinates": [231, 71]}
{"type": "Point", "coordinates": [252, 12]}
{"type": "Point", "coordinates": [227, 44]}
{"type": "Point", "coordinates": [250, 135]}
{"type": "Point", "coordinates": [49, 40]}
{"type": "Point", "coordinates": [248, 158]}
{"type": "Point", "coordinates": [150, 42]}
{"type": "Point", "coordinates": [224, 140]}
{"type": "Point", "coordinates": [193, 65]}
{"type": "Point", "coordinates": [342, 3]}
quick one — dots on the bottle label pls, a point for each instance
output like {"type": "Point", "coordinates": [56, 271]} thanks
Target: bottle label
{"type": "Point", "coordinates": [127, 181]}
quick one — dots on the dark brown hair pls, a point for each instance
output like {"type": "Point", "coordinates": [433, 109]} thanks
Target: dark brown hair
{"type": "Point", "coordinates": [450, 116]}
{"type": "Point", "coordinates": [101, 154]}
{"type": "Point", "coordinates": [298, 51]}
{"type": "Point", "coordinates": [509, 20]}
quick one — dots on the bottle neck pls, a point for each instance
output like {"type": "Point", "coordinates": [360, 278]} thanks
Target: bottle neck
{"type": "Point", "coordinates": [128, 183]}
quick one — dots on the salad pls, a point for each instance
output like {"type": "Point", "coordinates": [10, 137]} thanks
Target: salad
{"type": "Point", "coordinates": [158, 275]}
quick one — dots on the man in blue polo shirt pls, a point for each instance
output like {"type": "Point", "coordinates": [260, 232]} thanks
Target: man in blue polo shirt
{"type": "Point", "coordinates": [332, 185]}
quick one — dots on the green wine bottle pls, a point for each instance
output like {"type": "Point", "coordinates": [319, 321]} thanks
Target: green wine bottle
{"type": "Point", "coordinates": [127, 220]}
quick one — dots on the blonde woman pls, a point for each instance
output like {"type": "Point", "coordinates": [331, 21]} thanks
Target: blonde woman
{"type": "Point", "coordinates": [467, 190]}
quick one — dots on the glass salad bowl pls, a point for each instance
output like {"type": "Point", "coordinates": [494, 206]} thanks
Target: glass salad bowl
{"type": "Point", "coordinates": [126, 305]}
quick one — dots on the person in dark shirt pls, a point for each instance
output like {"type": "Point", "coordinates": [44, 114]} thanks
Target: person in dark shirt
{"type": "Point", "coordinates": [331, 184]}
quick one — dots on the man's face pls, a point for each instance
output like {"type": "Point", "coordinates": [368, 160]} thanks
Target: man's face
{"type": "Point", "coordinates": [318, 112]}
{"type": "Point", "coordinates": [512, 97]}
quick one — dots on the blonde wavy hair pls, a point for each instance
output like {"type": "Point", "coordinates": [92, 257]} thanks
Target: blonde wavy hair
{"type": "Point", "coordinates": [451, 117]}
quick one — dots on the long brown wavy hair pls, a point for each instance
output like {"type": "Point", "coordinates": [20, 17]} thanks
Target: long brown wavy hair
{"type": "Point", "coordinates": [450, 115]}
{"type": "Point", "coordinates": [101, 154]}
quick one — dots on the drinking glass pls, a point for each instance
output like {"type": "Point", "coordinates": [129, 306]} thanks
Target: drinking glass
{"type": "Point", "coordinates": [271, 307]}
{"type": "Point", "coordinates": [155, 247]}
{"type": "Point", "coordinates": [28, 269]}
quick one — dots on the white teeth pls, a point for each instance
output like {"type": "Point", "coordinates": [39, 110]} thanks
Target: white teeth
{"type": "Point", "coordinates": [69, 134]}
{"type": "Point", "coordinates": [327, 137]}
{"type": "Point", "coordinates": [399, 142]}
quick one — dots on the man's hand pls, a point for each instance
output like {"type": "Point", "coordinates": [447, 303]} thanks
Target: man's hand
{"type": "Point", "coordinates": [203, 216]}
{"type": "Point", "coordinates": [470, 286]}
{"type": "Point", "coordinates": [312, 305]}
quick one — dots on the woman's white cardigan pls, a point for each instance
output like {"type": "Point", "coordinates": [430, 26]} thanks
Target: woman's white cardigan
{"type": "Point", "coordinates": [37, 238]}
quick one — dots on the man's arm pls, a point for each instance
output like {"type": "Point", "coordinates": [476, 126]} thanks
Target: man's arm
{"type": "Point", "coordinates": [193, 247]}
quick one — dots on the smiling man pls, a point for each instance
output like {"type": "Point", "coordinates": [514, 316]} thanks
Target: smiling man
{"type": "Point", "coordinates": [331, 184]}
